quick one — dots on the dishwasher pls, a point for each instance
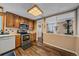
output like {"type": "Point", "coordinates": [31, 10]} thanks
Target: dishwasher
{"type": "Point", "coordinates": [7, 43]}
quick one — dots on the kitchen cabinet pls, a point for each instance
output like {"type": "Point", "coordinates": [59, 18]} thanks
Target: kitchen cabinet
{"type": "Point", "coordinates": [22, 20]}
{"type": "Point", "coordinates": [7, 43]}
{"type": "Point", "coordinates": [18, 41]}
{"type": "Point", "coordinates": [16, 21]}
{"type": "Point", "coordinates": [26, 21]}
{"type": "Point", "coordinates": [9, 19]}
{"type": "Point", "coordinates": [31, 24]}
{"type": "Point", "coordinates": [32, 37]}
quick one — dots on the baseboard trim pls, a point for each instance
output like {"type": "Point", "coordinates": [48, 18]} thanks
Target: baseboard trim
{"type": "Point", "coordinates": [62, 49]}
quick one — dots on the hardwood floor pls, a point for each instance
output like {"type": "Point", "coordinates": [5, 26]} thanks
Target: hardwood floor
{"type": "Point", "coordinates": [37, 51]}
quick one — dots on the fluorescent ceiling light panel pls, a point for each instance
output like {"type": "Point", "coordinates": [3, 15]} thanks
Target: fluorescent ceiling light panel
{"type": "Point", "coordinates": [35, 11]}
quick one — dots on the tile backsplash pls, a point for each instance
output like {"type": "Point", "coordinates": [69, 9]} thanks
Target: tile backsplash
{"type": "Point", "coordinates": [11, 30]}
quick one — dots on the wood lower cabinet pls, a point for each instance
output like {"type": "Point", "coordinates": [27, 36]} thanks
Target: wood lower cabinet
{"type": "Point", "coordinates": [18, 41]}
{"type": "Point", "coordinates": [33, 37]}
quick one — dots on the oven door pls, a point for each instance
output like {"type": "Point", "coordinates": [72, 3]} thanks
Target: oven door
{"type": "Point", "coordinates": [26, 43]}
{"type": "Point", "coordinates": [26, 37]}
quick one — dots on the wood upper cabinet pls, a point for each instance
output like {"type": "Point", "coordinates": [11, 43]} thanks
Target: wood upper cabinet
{"type": "Point", "coordinates": [13, 20]}
{"type": "Point", "coordinates": [31, 24]}
{"type": "Point", "coordinates": [22, 20]}
{"type": "Point", "coordinates": [18, 41]}
{"type": "Point", "coordinates": [9, 20]}
{"type": "Point", "coordinates": [26, 21]}
{"type": "Point", "coordinates": [16, 21]}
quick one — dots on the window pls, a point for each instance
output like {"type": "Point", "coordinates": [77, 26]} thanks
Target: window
{"type": "Point", "coordinates": [0, 23]}
{"type": "Point", "coordinates": [51, 28]}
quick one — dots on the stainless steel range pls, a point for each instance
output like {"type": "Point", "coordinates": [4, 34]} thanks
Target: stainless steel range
{"type": "Point", "coordinates": [25, 36]}
{"type": "Point", "coordinates": [25, 43]}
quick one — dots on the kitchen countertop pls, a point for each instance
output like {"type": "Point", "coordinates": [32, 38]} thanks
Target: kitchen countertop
{"type": "Point", "coordinates": [4, 35]}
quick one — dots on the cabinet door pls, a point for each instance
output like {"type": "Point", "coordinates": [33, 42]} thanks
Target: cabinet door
{"type": "Point", "coordinates": [9, 19]}
{"type": "Point", "coordinates": [33, 37]}
{"type": "Point", "coordinates": [16, 21]}
{"type": "Point", "coordinates": [22, 20]}
{"type": "Point", "coordinates": [31, 25]}
{"type": "Point", "coordinates": [18, 41]}
{"type": "Point", "coordinates": [26, 21]}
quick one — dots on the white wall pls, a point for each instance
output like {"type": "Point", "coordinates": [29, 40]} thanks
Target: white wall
{"type": "Point", "coordinates": [51, 19]}
{"type": "Point", "coordinates": [77, 46]}
{"type": "Point", "coordinates": [61, 41]}
{"type": "Point", "coordinates": [66, 16]}
{"type": "Point", "coordinates": [64, 42]}
{"type": "Point", "coordinates": [78, 22]}
{"type": "Point", "coordinates": [63, 17]}
{"type": "Point", "coordinates": [77, 41]}
{"type": "Point", "coordinates": [69, 43]}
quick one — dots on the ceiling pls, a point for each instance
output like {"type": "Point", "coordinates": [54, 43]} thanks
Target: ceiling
{"type": "Point", "coordinates": [47, 8]}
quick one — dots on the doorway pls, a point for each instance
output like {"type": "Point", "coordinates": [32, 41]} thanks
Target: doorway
{"type": "Point", "coordinates": [39, 32]}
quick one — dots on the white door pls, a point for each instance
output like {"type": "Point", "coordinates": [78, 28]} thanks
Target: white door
{"type": "Point", "coordinates": [39, 32]}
